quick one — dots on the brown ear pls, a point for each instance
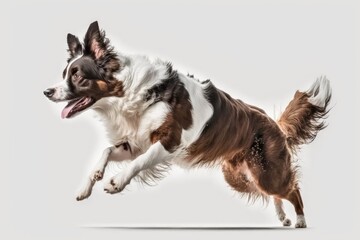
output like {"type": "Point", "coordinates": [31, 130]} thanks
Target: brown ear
{"type": "Point", "coordinates": [95, 42]}
{"type": "Point", "coordinates": [74, 44]}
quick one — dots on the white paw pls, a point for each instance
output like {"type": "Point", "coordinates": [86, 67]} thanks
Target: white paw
{"type": "Point", "coordinates": [300, 223]}
{"type": "Point", "coordinates": [115, 185]}
{"type": "Point", "coordinates": [84, 193]}
{"type": "Point", "coordinates": [281, 216]}
{"type": "Point", "coordinates": [97, 175]}
{"type": "Point", "coordinates": [286, 222]}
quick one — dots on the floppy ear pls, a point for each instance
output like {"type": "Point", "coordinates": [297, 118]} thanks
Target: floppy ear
{"type": "Point", "coordinates": [95, 42]}
{"type": "Point", "coordinates": [75, 47]}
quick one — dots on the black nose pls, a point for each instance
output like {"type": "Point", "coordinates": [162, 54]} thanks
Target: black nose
{"type": "Point", "coordinates": [49, 92]}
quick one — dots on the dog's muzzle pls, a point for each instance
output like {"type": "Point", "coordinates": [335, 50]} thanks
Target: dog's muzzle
{"type": "Point", "coordinates": [49, 92]}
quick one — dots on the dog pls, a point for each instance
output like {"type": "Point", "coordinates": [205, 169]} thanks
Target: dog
{"type": "Point", "coordinates": [156, 117]}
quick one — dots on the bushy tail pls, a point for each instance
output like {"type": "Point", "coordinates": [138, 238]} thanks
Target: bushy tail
{"type": "Point", "coordinates": [304, 117]}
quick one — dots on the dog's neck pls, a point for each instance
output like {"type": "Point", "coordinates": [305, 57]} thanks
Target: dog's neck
{"type": "Point", "coordinates": [138, 74]}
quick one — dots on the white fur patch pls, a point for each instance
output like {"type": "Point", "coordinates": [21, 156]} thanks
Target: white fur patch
{"type": "Point", "coordinates": [152, 119]}
{"type": "Point", "coordinates": [61, 91]}
{"type": "Point", "coordinates": [281, 213]}
{"type": "Point", "coordinates": [319, 92]}
{"type": "Point", "coordinates": [300, 221]}
{"type": "Point", "coordinates": [201, 112]}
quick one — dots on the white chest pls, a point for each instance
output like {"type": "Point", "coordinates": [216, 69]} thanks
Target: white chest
{"type": "Point", "coordinates": [133, 127]}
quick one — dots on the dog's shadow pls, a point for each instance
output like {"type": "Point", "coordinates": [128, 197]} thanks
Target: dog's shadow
{"type": "Point", "coordinates": [190, 228]}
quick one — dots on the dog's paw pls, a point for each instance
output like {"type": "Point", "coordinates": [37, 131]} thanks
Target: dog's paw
{"type": "Point", "coordinates": [286, 222]}
{"type": "Point", "coordinates": [300, 223]}
{"type": "Point", "coordinates": [86, 190]}
{"type": "Point", "coordinates": [114, 185]}
{"type": "Point", "coordinates": [85, 193]}
{"type": "Point", "coordinates": [97, 175]}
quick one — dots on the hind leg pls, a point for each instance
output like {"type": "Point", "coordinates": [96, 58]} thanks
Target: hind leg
{"type": "Point", "coordinates": [295, 198]}
{"type": "Point", "coordinates": [270, 164]}
{"type": "Point", "coordinates": [280, 212]}
{"type": "Point", "coordinates": [237, 175]}
{"type": "Point", "coordinates": [284, 189]}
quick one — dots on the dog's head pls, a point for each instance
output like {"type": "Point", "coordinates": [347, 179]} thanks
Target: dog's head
{"type": "Point", "coordinates": [89, 74]}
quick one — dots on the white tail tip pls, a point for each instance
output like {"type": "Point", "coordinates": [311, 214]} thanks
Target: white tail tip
{"type": "Point", "coordinates": [320, 92]}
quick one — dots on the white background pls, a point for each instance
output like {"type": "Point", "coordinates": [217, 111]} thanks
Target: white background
{"type": "Point", "coordinates": [258, 51]}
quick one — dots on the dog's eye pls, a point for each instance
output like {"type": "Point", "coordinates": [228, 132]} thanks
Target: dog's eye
{"type": "Point", "coordinates": [74, 71]}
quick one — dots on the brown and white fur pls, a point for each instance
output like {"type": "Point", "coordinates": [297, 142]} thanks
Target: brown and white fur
{"type": "Point", "coordinates": [156, 117]}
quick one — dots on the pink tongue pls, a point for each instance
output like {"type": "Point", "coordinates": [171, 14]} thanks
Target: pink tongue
{"type": "Point", "coordinates": [65, 112]}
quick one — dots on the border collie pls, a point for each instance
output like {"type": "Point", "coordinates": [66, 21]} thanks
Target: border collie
{"type": "Point", "coordinates": [156, 117]}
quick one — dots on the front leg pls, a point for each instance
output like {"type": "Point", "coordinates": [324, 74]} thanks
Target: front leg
{"type": "Point", "coordinates": [114, 153]}
{"type": "Point", "coordinates": [154, 155]}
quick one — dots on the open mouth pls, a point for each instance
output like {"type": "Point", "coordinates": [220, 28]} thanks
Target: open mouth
{"type": "Point", "coordinates": [77, 105]}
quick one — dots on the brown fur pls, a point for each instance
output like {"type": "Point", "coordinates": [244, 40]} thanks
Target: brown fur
{"type": "Point", "coordinates": [253, 150]}
{"type": "Point", "coordinates": [115, 88]}
{"type": "Point", "coordinates": [102, 85]}
{"type": "Point", "coordinates": [173, 92]}
{"type": "Point", "coordinates": [301, 120]}
{"type": "Point", "coordinates": [169, 133]}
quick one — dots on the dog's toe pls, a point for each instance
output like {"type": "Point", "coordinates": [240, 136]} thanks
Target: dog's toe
{"type": "Point", "coordinates": [98, 175]}
{"type": "Point", "coordinates": [286, 222]}
{"type": "Point", "coordinates": [112, 182]}
{"type": "Point", "coordinates": [111, 187]}
{"type": "Point", "coordinates": [300, 225]}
